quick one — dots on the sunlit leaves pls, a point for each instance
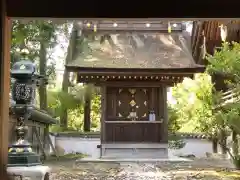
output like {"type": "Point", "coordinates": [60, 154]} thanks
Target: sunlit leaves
{"type": "Point", "coordinates": [73, 102]}
{"type": "Point", "coordinates": [226, 60]}
{"type": "Point", "coordinates": [58, 100]}
{"type": "Point", "coordinates": [173, 120]}
{"type": "Point", "coordinates": [194, 103]}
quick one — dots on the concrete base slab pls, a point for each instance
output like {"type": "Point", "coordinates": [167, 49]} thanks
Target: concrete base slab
{"type": "Point", "coordinates": [31, 172]}
{"type": "Point", "coordinates": [134, 151]}
{"type": "Point", "coordinates": [142, 160]}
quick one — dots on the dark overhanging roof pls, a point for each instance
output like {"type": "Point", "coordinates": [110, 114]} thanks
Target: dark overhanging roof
{"type": "Point", "coordinates": [93, 71]}
{"type": "Point", "coordinates": [39, 115]}
{"type": "Point", "coordinates": [42, 117]}
{"type": "Point", "coordinates": [142, 52]}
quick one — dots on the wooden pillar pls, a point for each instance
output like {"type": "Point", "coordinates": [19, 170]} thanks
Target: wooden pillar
{"type": "Point", "coordinates": [4, 89]}
{"type": "Point", "coordinates": [153, 101]}
{"type": "Point", "coordinates": [163, 112]}
{"type": "Point", "coordinates": [87, 113]}
{"type": "Point", "coordinates": [165, 116]}
{"type": "Point", "coordinates": [103, 112]}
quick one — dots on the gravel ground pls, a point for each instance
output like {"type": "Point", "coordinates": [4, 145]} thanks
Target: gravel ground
{"type": "Point", "coordinates": [201, 169]}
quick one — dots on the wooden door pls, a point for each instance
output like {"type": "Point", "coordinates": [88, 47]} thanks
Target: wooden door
{"type": "Point", "coordinates": [133, 132]}
{"type": "Point", "coordinates": [120, 127]}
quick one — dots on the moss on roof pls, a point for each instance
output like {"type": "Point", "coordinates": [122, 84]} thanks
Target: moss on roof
{"type": "Point", "coordinates": [134, 50]}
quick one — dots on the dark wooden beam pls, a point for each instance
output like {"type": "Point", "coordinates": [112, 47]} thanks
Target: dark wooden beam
{"type": "Point", "coordinates": [102, 32]}
{"type": "Point", "coordinates": [87, 112]}
{"type": "Point", "coordinates": [132, 79]}
{"type": "Point", "coordinates": [163, 112]}
{"type": "Point", "coordinates": [4, 89]}
{"type": "Point", "coordinates": [133, 84]}
{"type": "Point", "coordinates": [134, 71]}
{"type": "Point", "coordinates": [177, 10]}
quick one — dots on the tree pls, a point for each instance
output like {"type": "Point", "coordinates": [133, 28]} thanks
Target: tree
{"type": "Point", "coordinates": [39, 37]}
{"type": "Point", "coordinates": [47, 39]}
{"type": "Point", "coordinates": [197, 113]}
{"type": "Point", "coordinates": [79, 44]}
{"type": "Point", "coordinates": [65, 84]}
{"type": "Point", "coordinates": [226, 61]}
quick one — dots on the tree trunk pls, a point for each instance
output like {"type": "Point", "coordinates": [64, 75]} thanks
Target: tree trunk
{"type": "Point", "coordinates": [65, 83]}
{"type": "Point", "coordinates": [235, 143]}
{"type": "Point", "coordinates": [64, 114]}
{"type": "Point", "coordinates": [43, 68]}
{"type": "Point", "coordinates": [215, 145]}
{"type": "Point", "coordinates": [223, 139]}
{"type": "Point", "coordinates": [87, 113]}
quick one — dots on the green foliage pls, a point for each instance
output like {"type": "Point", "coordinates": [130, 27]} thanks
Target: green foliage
{"type": "Point", "coordinates": [74, 102]}
{"type": "Point", "coordinates": [58, 100]}
{"type": "Point", "coordinates": [96, 112]}
{"type": "Point", "coordinates": [173, 120]}
{"type": "Point", "coordinates": [30, 35]}
{"type": "Point", "coordinates": [176, 142]}
{"type": "Point", "coordinates": [226, 60]}
{"type": "Point", "coordinates": [65, 157]}
{"type": "Point", "coordinates": [33, 34]}
{"type": "Point", "coordinates": [194, 103]}
{"type": "Point", "coordinates": [236, 161]}
{"type": "Point", "coordinates": [174, 125]}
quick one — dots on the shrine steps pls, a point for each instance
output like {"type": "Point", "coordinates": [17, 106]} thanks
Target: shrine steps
{"type": "Point", "coordinates": [138, 150]}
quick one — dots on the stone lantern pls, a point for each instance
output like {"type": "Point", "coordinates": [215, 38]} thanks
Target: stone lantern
{"type": "Point", "coordinates": [20, 153]}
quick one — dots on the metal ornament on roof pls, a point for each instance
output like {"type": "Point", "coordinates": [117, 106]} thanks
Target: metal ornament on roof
{"type": "Point", "coordinates": [132, 25]}
{"type": "Point", "coordinates": [23, 92]}
{"type": "Point", "coordinates": [169, 28]}
{"type": "Point", "coordinates": [94, 28]}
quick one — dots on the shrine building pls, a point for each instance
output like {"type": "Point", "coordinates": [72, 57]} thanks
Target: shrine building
{"type": "Point", "coordinates": [133, 63]}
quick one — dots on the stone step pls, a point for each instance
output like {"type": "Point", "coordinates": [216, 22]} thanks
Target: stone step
{"type": "Point", "coordinates": [134, 145]}
{"type": "Point", "coordinates": [134, 153]}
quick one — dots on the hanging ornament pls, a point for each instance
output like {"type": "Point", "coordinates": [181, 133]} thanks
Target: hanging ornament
{"type": "Point", "coordinates": [223, 32]}
{"type": "Point", "coordinates": [94, 28]}
{"type": "Point", "coordinates": [169, 28]}
{"type": "Point", "coordinates": [88, 25]}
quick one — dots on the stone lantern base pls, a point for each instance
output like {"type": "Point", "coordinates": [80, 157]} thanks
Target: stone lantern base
{"type": "Point", "coordinates": [23, 159]}
{"type": "Point", "coordinates": [39, 172]}
{"type": "Point", "coordinates": [27, 166]}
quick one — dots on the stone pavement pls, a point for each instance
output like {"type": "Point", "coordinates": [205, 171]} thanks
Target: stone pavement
{"type": "Point", "coordinates": [196, 170]}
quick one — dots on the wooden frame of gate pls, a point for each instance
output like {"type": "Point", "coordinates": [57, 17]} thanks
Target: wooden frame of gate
{"type": "Point", "coordinates": [4, 89]}
{"type": "Point", "coordinates": [5, 59]}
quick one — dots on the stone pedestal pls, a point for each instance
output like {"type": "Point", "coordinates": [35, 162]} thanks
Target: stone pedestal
{"type": "Point", "coordinates": [32, 173]}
